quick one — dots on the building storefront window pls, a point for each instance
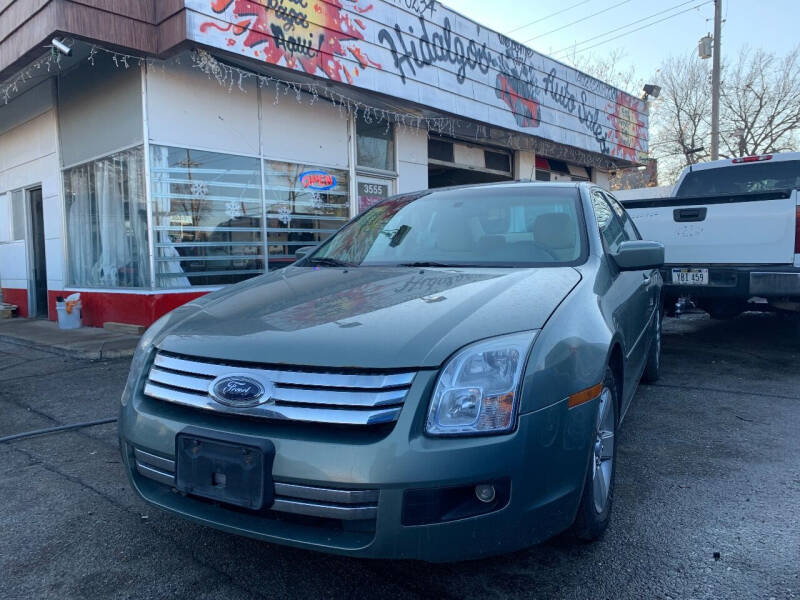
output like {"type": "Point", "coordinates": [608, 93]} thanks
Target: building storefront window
{"type": "Point", "coordinates": [106, 216]}
{"type": "Point", "coordinates": [304, 205]}
{"type": "Point", "coordinates": [207, 221]}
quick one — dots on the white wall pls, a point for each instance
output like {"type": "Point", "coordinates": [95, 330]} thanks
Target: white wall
{"type": "Point", "coordinates": [600, 178]}
{"type": "Point", "coordinates": [297, 132]}
{"type": "Point", "coordinates": [412, 159]}
{"type": "Point", "coordinates": [29, 157]}
{"type": "Point", "coordinates": [187, 109]}
{"type": "Point", "coordinates": [525, 165]}
{"type": "Point", "coordinates": [99, 109]}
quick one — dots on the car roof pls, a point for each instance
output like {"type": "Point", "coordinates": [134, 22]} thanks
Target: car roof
{"type": "Point", "coordinates": [508, 184]}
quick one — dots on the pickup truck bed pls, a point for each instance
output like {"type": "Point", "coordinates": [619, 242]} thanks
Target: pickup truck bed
{"type": "Point", "coordinates": [726, 249]}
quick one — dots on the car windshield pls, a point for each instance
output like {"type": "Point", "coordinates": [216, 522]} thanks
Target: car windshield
{"type": "Point", "coordinates": [480, 226]}
{"type": "Point", "coordinates": [741, 179]}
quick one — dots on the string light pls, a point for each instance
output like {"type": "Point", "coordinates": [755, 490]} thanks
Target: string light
{"type": "Point", "coordinates": [230, 77]}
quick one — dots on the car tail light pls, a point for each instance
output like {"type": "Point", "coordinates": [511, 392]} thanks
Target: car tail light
{"type": "Point", "coordinates": [749, 159]}
{"type": "Point", "coordinates": [797, 231]}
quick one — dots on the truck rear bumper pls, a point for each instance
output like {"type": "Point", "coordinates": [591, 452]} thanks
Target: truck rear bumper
{"type": "Point", "coordinates": [765, 283]}
{"type": "Point", "coordinates": [742, 283]}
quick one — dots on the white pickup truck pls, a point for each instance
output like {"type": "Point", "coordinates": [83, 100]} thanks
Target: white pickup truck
{"type": "Point", "coordinates": [731, 233]}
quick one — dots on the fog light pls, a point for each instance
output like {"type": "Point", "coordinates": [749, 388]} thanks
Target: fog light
{"type": "Point", "coordinates": [485, 492]}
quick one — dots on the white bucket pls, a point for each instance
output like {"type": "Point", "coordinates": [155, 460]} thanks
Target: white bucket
{"type": "Point", "coordinates": [69, 312]}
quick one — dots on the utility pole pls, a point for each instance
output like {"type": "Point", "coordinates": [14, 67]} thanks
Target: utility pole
{"type": "Point", "coordinates": [715, 80]}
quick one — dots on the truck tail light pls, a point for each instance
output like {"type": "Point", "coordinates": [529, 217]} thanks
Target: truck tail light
{"type": "Point", "coordinates": [797, 230]}
{"type": "Point", "coordinates": [749, 159]}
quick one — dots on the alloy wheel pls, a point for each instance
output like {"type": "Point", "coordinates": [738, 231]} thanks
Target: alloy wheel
{"type": "Point", "coordinates": [604, 450]}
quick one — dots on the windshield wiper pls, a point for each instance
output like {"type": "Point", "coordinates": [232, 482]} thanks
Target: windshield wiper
{"type": "Point", "coordinates": [329, 262]}
{"type": "Point", "coordinates": [426, 263]}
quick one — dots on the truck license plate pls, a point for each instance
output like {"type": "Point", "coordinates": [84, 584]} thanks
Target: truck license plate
{"type": "Point", "coordinates": [690, 276]}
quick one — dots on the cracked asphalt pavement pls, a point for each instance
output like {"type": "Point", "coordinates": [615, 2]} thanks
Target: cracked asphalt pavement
{"type": "Point", "coordinates": [707, 497]}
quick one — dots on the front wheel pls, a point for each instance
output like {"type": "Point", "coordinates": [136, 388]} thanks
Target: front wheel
{"type": "Point", "coordinates": [594, 512]}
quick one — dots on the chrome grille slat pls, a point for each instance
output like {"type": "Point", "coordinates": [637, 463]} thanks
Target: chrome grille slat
{"type": "Point", "coordinates": [308, 500]}
{"type": "Point", "coordinates": [328, 380]}
{"type": "Point", "coordinates": [335, 398]}
{"type": "Point", "coordinates": [339, 398]}
{"type": "Point", "coordinates": [274, 411]}
{"type": "Point", "coordinates": [307, 492]}
{"type": "Point", "coordinates": [165, 464]}
{"type": "Point", "coordinates": [328, 511]}
{"type": "Point", "coordinates": [199, 384]}
{"type": "Point", "coordinates": [156, 474]}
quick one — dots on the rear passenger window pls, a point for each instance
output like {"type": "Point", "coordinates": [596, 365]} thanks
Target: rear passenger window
{"type": "Point", "coordinates": [611, 228]}
{"type": "Point", "coordinates": [627, 222]}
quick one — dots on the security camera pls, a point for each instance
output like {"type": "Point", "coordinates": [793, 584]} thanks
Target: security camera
{"type": "Point", "coordinates": [61, 46]}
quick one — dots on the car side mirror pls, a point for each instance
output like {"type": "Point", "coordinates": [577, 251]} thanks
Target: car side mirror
{"type": "Point", "coordinates": [637, 255]}
{"type": "Point", "coordinates": [301, 253]}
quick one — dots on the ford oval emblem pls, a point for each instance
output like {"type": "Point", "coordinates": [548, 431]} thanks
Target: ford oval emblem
{"type": "Point", "coordinates": [239, 391]}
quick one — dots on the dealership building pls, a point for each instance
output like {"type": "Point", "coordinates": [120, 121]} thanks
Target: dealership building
{"type": "Point", "coordinates": [162, 149]}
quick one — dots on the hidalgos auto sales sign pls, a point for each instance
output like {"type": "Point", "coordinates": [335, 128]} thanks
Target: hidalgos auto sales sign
{"type": "Point", "coordinates": [424, 52]}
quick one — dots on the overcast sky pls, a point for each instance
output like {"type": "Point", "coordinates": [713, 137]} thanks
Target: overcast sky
{"type": "Point", "coordinates": [771, 24]}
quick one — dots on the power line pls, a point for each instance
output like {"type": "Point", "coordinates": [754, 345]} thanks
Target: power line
{"type": "Point", "coordinates": [547, 17]}
{"type": "Point", "coordinates": [599, 12]}
{"type": "Point", "coordinates": [642, 27]}
{"type": "Point", "coordinates": [574, 46]}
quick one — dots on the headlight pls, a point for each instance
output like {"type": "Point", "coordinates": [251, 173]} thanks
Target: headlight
{"type": "Point", "coordinates": [478, 389]}
{"type": "Point", "coordinates": [141, 356]}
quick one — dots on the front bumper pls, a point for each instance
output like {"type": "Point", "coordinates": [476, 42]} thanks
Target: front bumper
{"type": "Point", "coordinates": [740, 283]}
{"type": "Point", "coordinates": [545, 459]}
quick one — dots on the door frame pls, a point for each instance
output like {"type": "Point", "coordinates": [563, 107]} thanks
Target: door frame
{"type": "Point", "coordinates": [30, 249]}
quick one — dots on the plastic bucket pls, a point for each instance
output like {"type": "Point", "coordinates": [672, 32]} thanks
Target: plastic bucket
{"type": "Point", "coordinates": [69, 312]}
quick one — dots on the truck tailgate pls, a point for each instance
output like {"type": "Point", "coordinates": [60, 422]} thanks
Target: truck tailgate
{"type": "Point", "coordinates": [756, 228]}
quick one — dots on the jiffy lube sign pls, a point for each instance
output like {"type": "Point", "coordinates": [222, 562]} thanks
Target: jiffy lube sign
{"type": "Point", "coordinates": [422, 51]}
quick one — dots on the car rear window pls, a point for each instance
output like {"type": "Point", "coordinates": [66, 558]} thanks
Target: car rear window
{"type": "Point", "coordinates": [742, 179]}
{"type": "Point", "coordinates": [480, 226]}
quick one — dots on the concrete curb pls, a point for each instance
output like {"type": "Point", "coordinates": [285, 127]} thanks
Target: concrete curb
{"type": "Point", "coordinates": [106, 350]}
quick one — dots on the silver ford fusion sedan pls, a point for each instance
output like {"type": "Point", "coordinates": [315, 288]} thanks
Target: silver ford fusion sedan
{"type": "Point", "coordinates": [442, 379]}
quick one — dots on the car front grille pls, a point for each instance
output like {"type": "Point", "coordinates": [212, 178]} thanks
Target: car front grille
{"type": "Point", "coordinates": [335, 397]}
{"type": "Point", "coordinates": [305, 500]}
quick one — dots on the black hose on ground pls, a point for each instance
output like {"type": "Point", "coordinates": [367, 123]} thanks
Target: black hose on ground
{"type": "Point", "coordinates": [35, 432]}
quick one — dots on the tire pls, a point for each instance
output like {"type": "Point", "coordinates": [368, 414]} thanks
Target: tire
{"type": "Point", "coordinates": [652, 370]}
{"type": "Point", "coordinates": [594, 511]}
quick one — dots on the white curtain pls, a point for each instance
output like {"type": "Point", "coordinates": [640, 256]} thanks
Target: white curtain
{"type": "Point", "coordinates": [111, 221]}
{"type": "Point", "coordinates": [107, 222]}
{"type": "Point", "coordinates": [79, 227]}
{"type": "Point", "coordinates": [163, 209]}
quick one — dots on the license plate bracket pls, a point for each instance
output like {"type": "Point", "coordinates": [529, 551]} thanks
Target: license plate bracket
{"type": "Point", "coordinates": [224, 467]}
{"type": "Point", "coordinates": [687, 276]}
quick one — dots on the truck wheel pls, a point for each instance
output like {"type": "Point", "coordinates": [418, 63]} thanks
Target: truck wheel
{"type": "Point", "coordinates": [652, 370]}
{"type": "Point", "coordinates": [594, 512]}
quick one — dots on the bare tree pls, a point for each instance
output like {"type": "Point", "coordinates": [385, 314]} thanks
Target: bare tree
{"type": "Point", "coordinates": [680, 118]}
{"type": "Point", "coordinates": [761, 103]}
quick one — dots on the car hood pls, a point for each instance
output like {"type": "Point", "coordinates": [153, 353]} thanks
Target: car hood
{"type": "Point", "coordinates": [368, 317]}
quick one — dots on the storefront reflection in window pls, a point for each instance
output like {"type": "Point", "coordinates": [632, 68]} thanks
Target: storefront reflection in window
{"type": "Point", "coordinates": [206, 216]}
{"type": "Point", "coordinates": [305, 205]}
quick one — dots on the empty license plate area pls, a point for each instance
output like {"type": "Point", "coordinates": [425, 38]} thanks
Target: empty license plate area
{"type": "Point", "coordinates": [225, 468]}
{"type": "Point", "coordinates": [686, 276]}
